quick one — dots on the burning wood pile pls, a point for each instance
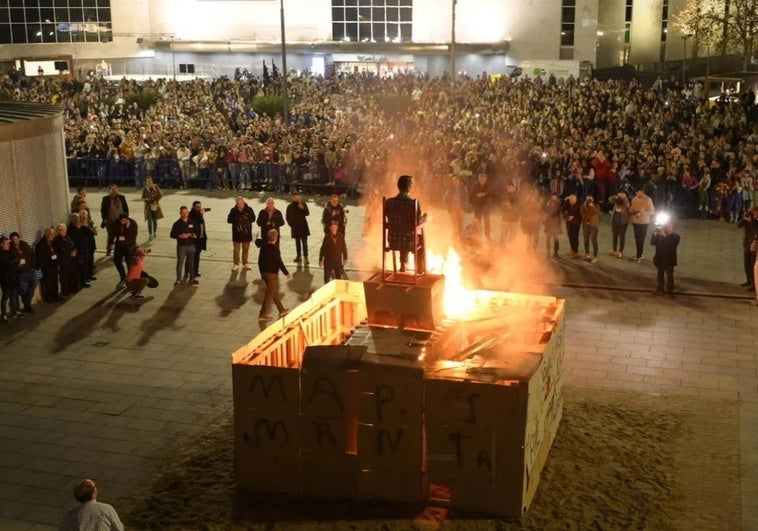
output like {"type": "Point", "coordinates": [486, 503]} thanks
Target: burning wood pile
{"type": "Point", "coordinates": [373, 391]}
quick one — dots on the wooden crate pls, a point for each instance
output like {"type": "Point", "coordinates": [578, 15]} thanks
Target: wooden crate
{"type": "Point", "coordinates": [417, 306]}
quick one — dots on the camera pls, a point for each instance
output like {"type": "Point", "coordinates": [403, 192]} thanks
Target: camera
{"type": "Point", "coordinates": [206, 210]}
{"type": "Point", "coordinates": [662, 219]}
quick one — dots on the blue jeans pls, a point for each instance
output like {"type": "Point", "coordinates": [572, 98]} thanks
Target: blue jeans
{"type": "Point", "coordinates": [152, 223]}
{"type": "Point", "coordinates": [27, 283]}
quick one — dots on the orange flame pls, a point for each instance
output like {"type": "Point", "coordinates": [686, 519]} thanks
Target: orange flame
{"type": "Point", "coordinates": [458, 299]}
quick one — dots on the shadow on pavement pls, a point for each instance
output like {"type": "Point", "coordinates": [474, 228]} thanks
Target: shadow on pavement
{"type": "Point", "coordinates": [165, 316]}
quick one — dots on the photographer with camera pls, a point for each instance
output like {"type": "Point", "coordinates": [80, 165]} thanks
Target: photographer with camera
{"type": "Point", "coordinates": [136, 278]}
{"type": "Point", "coordinates": [590, 226]}
{"type": "Point", "coordinates": [665, 241]}
{"type": "Point", "coordinates": [619, 223]}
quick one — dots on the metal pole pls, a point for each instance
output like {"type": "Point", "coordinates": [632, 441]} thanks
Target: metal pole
{"type": "Point", "coordinates": [173, 58]}
{"type": "Point", "coordinates": [285, 95]}
{"type": "Point", "coordinates": [452, 46]}
{"type": "Point", "coordinates": [684, 59]}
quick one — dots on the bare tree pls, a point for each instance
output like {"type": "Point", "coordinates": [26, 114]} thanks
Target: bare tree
{"type": "Point", "coordinates": [730, 24]}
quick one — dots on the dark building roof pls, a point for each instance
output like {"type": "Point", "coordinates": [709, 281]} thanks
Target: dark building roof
{"type": "Point", "coordinates": [14, 111]}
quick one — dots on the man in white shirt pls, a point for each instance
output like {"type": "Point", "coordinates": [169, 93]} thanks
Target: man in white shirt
{"type": "Point", "coordinates": [90, 514]}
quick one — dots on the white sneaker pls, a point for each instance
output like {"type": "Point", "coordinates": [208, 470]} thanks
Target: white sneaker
{"type": "Point", "coordinates": [235, 267]}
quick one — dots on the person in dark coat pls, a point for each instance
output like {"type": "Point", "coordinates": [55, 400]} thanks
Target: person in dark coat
{"type": "Point", "coordinates": [573, 216]}
{"type": "Point", "coordinates": [196, 214]}
{"type": "Point", "coordinates": [79, 234]}
{"type": "Point", "coordinates": [750, 227]}
{"type": "Point", "coordinates": [269, 265]}
{"type": "Point", "coordinates": [334, 211]}
{"type": "Point", "coordinates": [111, 207]}
{"type": "Point", "coordinates": [47, 262]}
{"type": "Point", "coordinates": [65, 250]}
{"type": "Point", "coordinates": [270, 218]}
{"type": "Point", "coordinates": [665, 241]}
{"type": "Point", "coordinates": [333, 254]}
{"type": "Point", "coordinates": [296, 215]}
{"type": "Point", "coordinates": [241, 217]}
{"type": "Point", "coordinates": [23, 255]}
{"type": "Point", "coordinates": [123, 243]}
{"type": "Point", "coordinates": [8, 281]}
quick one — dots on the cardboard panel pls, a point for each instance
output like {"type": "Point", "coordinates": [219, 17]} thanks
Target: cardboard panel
{"type": "Point", "coordinates": [276, 474]}
{"type": "Point", "coordinates": [392, 392]}
{"type": "Point", "coordinates": [335, 477]}
{"type": "Point", "coordinates": [418, 306]}
{"type": "Point", "coordinates": [266, 389]}
{"type": "Point", "coordinates": [399, 485]}
{"type": "Point", "coordinates": [399, 447]}
{"type": "Point", "coordinates": [328, 381]}
{"type": "Point", "coordinates": [328, 436]}
{"type": "Point", "coordinates": [257, 435]}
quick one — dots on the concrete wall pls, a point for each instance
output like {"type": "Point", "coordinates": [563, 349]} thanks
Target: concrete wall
{"type": "Point", "coordinates": [610, 50]}
{"type": "Point", "coordinates": [646, 32]}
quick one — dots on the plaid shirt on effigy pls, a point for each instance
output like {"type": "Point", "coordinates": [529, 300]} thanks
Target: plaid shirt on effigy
{"type": "Point", "coordinates": [404, 211]}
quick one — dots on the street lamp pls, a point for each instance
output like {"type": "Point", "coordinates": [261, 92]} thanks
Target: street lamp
{"type": "Point", "coordinates": [684, 57]}
{"type": "Point", "coordinates": [452, 46]}
{"type": "Point", "coordinates": [285, 96]}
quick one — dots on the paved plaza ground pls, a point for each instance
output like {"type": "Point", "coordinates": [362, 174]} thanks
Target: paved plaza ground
{"type": "Point", "coordinates": [101, 385]}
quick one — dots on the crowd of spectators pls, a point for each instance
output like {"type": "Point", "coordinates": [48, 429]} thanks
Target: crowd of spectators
{"type": "Point", "coordinates": [585, 138]}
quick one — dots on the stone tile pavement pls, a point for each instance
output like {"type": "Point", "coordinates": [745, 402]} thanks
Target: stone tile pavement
{"type": "Point", "coordinates": [99, 385]}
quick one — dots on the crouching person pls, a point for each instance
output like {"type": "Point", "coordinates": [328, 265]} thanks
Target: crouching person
{"type": "Point", "coordinates": [136, 278]}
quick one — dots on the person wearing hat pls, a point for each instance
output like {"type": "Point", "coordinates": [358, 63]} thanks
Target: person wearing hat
{"type": "Point", "coordinates": [333, 254]}
{"type": "Point", "coordinates": [296, 216]}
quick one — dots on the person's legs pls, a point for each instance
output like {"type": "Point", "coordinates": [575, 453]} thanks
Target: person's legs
{"type": "Point", "coordinates": [181, 257]}
{"type": "Point", "coordinates": [196, 261]}
{"type": "Point", "coordinates": [27, 283]}
{"type": "Point", "coordinates": [298, 249]}
{"type": "Point", "coordinates": [670, 280]}
{"type": "Point", "coordinates": [615, 235]}
{"type": "Point", "coordinates": [190, 261]}
{"type": "Point", "coordinates": [277, 299]}
{"type": "Point", "coordinates": [236, 253]}
{"type": "Point", "coordinates": [268, 297]}
{"type": "Point", "coordinates": [119, 254]}
{"type": "Point", "coordinates": [622, 237]}
{"type": "Point", "coordinates": [640, 231]}
{"type": "Point", "coordinates": [660, 279]}
{"type": "Point", "coordinates": [245, 252]}
{"type": "Point", "coordinates": [748, 258]}
{"type": "Point", "coordinates": [586, 236]}
{"type": "Point", "coordinates": [137, 285]}
{"type": "Point", "coordinates": [593, 239]}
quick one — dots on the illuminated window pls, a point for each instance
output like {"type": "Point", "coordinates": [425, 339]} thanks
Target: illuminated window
{"type": "Point", "coordinates": [372, 20]}
{"type": "Point", "coordinates": [568, 19]}
{"type": "Point", "coordinates": [51, 21]}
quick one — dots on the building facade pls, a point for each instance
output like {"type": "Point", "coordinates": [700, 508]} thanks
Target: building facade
{"type": "Point", "coordinates": [163, 37]}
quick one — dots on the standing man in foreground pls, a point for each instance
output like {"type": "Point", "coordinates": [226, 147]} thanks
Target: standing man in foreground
{"type": "Point", "coordinates": [197, 215]}
{"type": "Point", "coordinates": [641, 209]}
{"type": "Point", "coordinates": [90, 513]}
{"type": "Point", "coordinates": [111, 207]}
{"type": "Point", "coordinates": [333, 254]}
{"type": "Point", "coordinates": [122, 244]}
{"type": "Point", "coordinates": [296, 214]}
{"type": "Point", "coordinates": [665, 241]}
{"type": "Point", "coordinates": [241, 217]}
{"type": "Point", "coordinates": [269, 264]}
{"type": "Point", "coordinates": [185, 232]}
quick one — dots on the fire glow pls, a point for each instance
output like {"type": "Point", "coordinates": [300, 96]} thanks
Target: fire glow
{"type": "Point", "coordinates": [458, 300]}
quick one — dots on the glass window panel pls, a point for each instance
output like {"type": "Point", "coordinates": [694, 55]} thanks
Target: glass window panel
{"type": "Point", "coordinates": [377, 31]}
{"type": "Point", "coordinates": [377, 13]}
{"type": "Point", "coordinates": [60, 3]}
{"type": "Point", "coordinates": [46, 3]}
{"type": "Point", "coordinates": [567, 14]}
{"type": "Point", "coordinates": [364, 30]}
{"type": "Point", "coordinates": [567, 27]}
{"type": "Point", "coordinates": [5, 33]}
{"type": "Point", "coordinates": [338, 31]}
{"type": "Point", "coordinates": [18, 33]}
{"type": "Point", "coordinates": [104, 15]}
{"type": "Point", "coordinates": [569, 3]}
{"type": "Point", "coordinates": [76, 14]}
{"type": "Point", "coordinates": [32, 14]}
{"type": "Point", "coordinates": [89, 3]}
{"type": "Point", "coordinates": [406, 14]}
{"type": "Point", "coordinates": [90, 15]}
{"type": "Point", "coordinates": [34, 32]}
{"type": "Point", "coordinates": [393, 15]}
{"type": "Point", "coordinates": [62, 36]}
{"type": "Point", "coordinates": [61, 15]}
{"type": "Point", "coordinates": [351, 31]}
{"type": "Point", "coordinates": [15, 3]}
{"type": "Point", "coordinates": [628, 15]}
{"type": "Point", "coordinates": [46, 14]}
{"type": "Point", "coordinates": [351, 14]}
{"type": "Point", "coordinates": [364, 3]}
{"type": "Point", "coordinates": [5, 16]}
{"type": "Point", "coordinates": [338, 13]}
{"type": "Point", "coordinates": [74, 4]}
{"type": "Point", "coordinates": [17, 15]}
{"type": "Point", "coordinates": [567, 38]}
{"type": "Point", "coordinates": [393, 31]}
{"type": "Point", "coordinates": [364, 14]}
{"type": "Point", "coordinates": [406, 32]}
{"type": "Point", "coordinates": [92, 36]}
{"type": "Point", "coordinates": [351, 2]}
{"type": "Point", "coordinates": [391, 2]}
